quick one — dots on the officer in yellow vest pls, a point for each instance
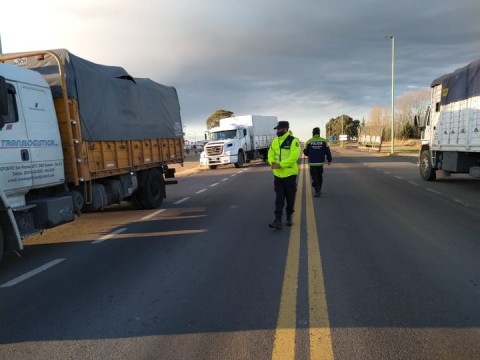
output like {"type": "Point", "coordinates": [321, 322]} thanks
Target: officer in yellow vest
{"type": "Point", "coordinates": [283, 158]}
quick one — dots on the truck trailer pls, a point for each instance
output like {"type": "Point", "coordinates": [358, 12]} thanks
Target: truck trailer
{"type": "Point", "coordinates": [450, 129]}
{"type": "Point", "coordinates": [78, 136]}
{"type": "Point", "coordinates": [239, 139]}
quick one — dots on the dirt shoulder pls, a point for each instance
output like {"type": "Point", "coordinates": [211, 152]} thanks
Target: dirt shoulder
{"type": "Point", "coordinates": [191, 165]}
{"type": "Point", "coordinates": [401, 148]}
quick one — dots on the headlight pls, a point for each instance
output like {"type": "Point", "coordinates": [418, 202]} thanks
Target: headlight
{"type": "Point", "coordinates": [228, 152]}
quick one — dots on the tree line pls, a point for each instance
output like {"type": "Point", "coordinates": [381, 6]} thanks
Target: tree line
{"type": "Point", "coordinates": [406, 107]}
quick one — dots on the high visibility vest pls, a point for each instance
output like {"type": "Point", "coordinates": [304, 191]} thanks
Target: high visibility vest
{"type": "Point", "coordinates": [285, 150]}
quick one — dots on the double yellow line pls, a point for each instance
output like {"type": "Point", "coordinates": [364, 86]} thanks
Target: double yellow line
{"type": "Point", "coordinates": [319, 325]}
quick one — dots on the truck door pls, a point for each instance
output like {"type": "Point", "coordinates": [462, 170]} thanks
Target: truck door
{"type": "Point", "coordinates": [43, 134]}
{"type": "Point", "coordinates": [15, 162]}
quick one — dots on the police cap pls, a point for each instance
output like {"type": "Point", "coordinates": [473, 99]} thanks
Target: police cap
{"type": "Point", "coordinates": [282, 125]}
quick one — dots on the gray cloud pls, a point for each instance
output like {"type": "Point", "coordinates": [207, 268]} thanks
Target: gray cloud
{"type": "Point", "coordinates": [294, 59]}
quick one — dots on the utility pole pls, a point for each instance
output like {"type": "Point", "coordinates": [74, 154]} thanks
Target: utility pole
{"type": "Point", "coordinates": [392, 150]}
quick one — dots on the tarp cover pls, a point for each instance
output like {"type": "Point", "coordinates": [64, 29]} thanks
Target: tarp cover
{"type": "Point", "coordinates": [461, 84]}
{"type": "Point", "coordinates": [113, 105]}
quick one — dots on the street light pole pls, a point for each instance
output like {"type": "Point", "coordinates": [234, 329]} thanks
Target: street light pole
{"type": "Point", "coordinates": [341, 114]}
{"type": "Point", "coordinates": [392, 150]}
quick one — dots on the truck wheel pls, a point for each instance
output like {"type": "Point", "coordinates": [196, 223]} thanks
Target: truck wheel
{"type": "Point", "coordinates": [99, 199]}
{"type": "Point", "coordinates": [241, 160]}
{"type": "Point", "coordinates": [212, 167]}
{"type": "Point", "coordinates": [151, 195]}
{"type": "Point", "coordinates": [426, 171]}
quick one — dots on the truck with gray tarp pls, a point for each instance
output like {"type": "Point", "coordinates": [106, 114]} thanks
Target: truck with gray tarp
{"type": "Point", "coordinates": [451, 125]}
{"type": "Point", "coordinates": [78, 136]}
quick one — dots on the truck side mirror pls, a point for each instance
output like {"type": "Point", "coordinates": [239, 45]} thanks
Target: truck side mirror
{"type": "Point", "coordinates": [244, 132]}
{"type": "Point", "coordinates": [417, 123]}
{"type": "Point", "coordinates": [3, 96]}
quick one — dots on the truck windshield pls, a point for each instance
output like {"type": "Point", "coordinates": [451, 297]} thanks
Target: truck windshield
{"type": "Point", "coordinates": [223, 135]}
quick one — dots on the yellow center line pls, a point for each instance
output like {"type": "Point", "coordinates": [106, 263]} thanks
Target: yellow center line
{"type": "Point", "coordinates": [284, 343]}
{"type": "Point", "coordinates": [320, 335]}
{"type": "Point", "coordinates": [319, 332]}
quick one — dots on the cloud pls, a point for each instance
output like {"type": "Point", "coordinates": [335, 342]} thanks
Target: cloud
{"type": "Point", "coordinates": [304, 60]}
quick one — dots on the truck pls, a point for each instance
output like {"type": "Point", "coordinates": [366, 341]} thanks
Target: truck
{"type": "Point", "coordinates": [78, 136]}
{"type": "Point", "coordinates": [239, 139]}
{"type": "Point", "coordinates": [450, 128]}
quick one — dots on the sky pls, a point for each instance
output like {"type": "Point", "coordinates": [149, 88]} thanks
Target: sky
{"type": "Point", "coordinates": [304, 61]}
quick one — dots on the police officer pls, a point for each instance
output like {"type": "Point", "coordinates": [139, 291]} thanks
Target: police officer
{"type": "Point", "coordinates": [283, 158]}
{"type": "Point", "coordinates": [317, 149]}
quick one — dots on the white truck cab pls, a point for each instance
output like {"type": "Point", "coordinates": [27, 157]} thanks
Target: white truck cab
{"type": "Point", "coordinates": [31, 153]}
{"type": "Point", "coordinates": [228, 145]}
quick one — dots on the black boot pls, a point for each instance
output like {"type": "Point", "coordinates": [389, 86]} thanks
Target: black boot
{"type": "Point", "coordinates": [317, 192]}
{"type": "Point", "coordinates": [289, 219]}
{"type": "Point", "coordinates": [277, 223]}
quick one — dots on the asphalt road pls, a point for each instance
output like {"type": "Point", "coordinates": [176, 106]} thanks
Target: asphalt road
{"type": "Point", "coordinates": [381, 266]}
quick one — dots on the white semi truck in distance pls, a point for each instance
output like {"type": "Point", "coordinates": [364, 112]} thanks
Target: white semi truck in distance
{"type": "Point", "coordinates": [451, 125]}
{"type": "Point", "coordinates": [239, 139]}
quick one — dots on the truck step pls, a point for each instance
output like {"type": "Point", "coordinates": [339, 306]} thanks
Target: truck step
{"type": "Point", "coordinates": [23, 207]}
{"type": "Point", "coordinates": [31, 232]}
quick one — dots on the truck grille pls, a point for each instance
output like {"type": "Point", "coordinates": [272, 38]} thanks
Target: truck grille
{"type": "Point", "coordinates": [214, 150]}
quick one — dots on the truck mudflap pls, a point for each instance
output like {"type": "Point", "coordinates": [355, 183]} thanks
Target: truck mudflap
{"type": "Point", "coordinates": [13, 239]}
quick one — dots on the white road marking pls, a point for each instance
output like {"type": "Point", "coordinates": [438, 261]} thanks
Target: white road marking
{"type": "Point", "coordinates": [31, 273]}
{"type": "Point", "coordinates": [388, 173]}
{"type": "Point", "coordinates": [215, 184]}
{"type": "Point", "coordinates": [200, 191]}
{"type": "Point", "coordinates": [459, 201]}
{"type": "Point", "coordinates": [398, 177]}
{"type": "Point", "coordinates": [181, 200]}
{"type": "Point", "coordinates": [434, 191]}
{"type": "Point", "coordinates": [225, 179]}
{"type": "Point", "coordinates": [414, 183]}
{"type": "Point", "coordinates": [108, 236]}
{"type": "Point", "coordinates": [233, 175]}
{"type": "Point", "coordinates": [152, 214]}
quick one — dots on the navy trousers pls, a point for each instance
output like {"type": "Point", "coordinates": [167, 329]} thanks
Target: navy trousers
{"type": "Point", "coordinates": [285, 190]}
{"type": "Point", "coordinates": [316, 173]}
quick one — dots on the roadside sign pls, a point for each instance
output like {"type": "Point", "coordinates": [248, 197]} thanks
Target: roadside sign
{"type": "Point", "coordinates": [343, 137]}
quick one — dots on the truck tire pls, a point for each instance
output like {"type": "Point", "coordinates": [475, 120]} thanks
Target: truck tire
{"type": "Point", "coordinates": [427, 172]}
{"type": "Point", "coordinates": [99, 199]}
{"type": "Point", "coordinates": [240, 161]}
{"type": "Point", "coordinates": [212, 167]}
{"type": "Point", "coordinates": [152, 193]}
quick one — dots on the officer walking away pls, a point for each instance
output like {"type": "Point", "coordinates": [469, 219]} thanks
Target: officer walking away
{"type": "Point", "coordinates": [283, 158]}
{"type": "Point", "coordinates": [317, 150]}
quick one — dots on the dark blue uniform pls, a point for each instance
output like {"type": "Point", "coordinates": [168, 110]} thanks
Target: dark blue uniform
{"type": "Point", "coordinates": [317, 150]}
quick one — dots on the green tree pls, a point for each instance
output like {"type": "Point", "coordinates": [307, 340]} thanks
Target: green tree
{"type": "Point", "coordinates": [407, 132]}
{"type": "Point", "coordinates": [214, 119]}
{"type": "Point", "coordinates": [350, 126]}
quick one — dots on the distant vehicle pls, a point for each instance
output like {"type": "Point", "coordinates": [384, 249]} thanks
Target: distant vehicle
{"type": "Point", "coordinates": [90, 137]}
{"type": "Point", "coordinates": [238, 140]}
{"type": "Point", "coordinates": [451, 125]}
